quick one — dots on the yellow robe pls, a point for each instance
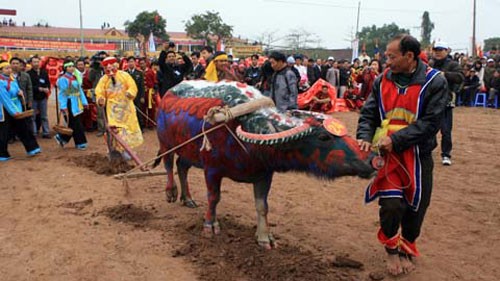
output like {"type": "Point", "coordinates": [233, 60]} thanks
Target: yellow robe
{"type": "Point", "coordinates": [120, 109]}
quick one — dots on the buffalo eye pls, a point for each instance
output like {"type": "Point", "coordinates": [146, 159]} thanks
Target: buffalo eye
{"type": "Point", "coordinates": [324, 137]}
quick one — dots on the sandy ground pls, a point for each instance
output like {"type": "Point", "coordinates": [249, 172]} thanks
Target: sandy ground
{"type": "Point", "coordinates": [63, 221]}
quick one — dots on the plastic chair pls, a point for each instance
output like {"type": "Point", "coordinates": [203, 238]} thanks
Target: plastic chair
{"type": "Point", "coordinates": [481, 100]}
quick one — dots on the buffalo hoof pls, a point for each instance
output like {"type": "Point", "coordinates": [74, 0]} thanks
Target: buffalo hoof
{"type": "Point", "coordinates": [268, 242]}
{"type": "Point", "coordinates": [211, 229]}
{"type": "Point", "coordinates": [190, 203]}
{"type": "Point", "coordinates": [171, 195]}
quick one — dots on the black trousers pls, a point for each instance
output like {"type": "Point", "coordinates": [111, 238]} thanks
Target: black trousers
{"type": "Point", "coordinates": [395, 212]}
{"type": "Point", "coordinates": [446, 127]}
{"type": "Point", "coordinates": [138, 106]}
{"type": "Point", "coordinates": [21, 128]}
{"type": "Point", "coordinates": [75, 123]}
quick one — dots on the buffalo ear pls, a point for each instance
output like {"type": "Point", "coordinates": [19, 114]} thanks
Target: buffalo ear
{"type": "Point", "coordinates": [335, 127]}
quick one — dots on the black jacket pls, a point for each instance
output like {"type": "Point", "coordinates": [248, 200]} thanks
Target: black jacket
{"type": "Point", "coordinates": [173, 74]}
{"type": "Point", "coordinates": [252, 75]}
{"type": "Point", "coordinates": [39, 81]}
{"type": "Point", "coordinates": [138, 77]}
{"type": "Point", "coordinates": [452, 72]}
{"type": "Point", "coordinates": [197, 72]}
{"type": "Point", "coordinates": [421, 133]}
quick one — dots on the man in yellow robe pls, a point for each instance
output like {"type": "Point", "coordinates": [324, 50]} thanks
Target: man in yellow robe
{"type": "Point", "coordinates": [116, 90]}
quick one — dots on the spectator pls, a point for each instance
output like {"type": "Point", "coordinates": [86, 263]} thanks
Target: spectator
{"type": "Point", "coordinates": [344, 76]}
{"type": "Point", "coordinates": [198, 69]}
{"type": "Point", "coordinates": [284, 89]}
{"type": "Point", "coordinates": [454, 76]}
{"type": "Point", "coordinates": [253, 73]}
{"type": "Point", "coordinates": [312, 72]}
{"type": "Point", "coordinates": [10, 108]}
{"type": "Point", "coordinates": [471, 85]}
{"type": "Point", "coordinates": [41, 90]}
{"type": "Point", "coordinates": [494, 87]}
{"type": "Point", "coordinates": [139, 99]}
{"type": "Point", "coordinates": [333, 76]}
{"type": "Point", "coordinates": [172, 73]}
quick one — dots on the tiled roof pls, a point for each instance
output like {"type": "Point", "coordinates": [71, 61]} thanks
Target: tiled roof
{"type": "Point", "coordinates": [70, 32]}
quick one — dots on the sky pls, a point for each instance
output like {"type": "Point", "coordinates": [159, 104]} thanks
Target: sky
{"type": "Point", "coordinates": [333, 22]}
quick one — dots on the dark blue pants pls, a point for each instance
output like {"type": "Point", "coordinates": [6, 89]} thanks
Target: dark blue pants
{"type": "Point", "coordinates": [446, 126]}
{"type": "Point", "coordinates": [21, 128]}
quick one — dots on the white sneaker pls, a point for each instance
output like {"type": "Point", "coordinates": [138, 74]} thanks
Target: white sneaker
{"type": "Point", "coordinates": [446, 161]}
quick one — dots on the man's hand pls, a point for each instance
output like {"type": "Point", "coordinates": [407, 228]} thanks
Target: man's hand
{"type": "Point", "coordinates": [101, 101]}
{"type": "Point", "coordinates": [385, 144]}
{"type": "Point", "coordinates": [64, 111]}
{"type": "Point", "coordinates": [365, 145]}
{"type": "Point", "coordinates": [20, 93]}
{"type": "Point", "coordinates": [142, 100]}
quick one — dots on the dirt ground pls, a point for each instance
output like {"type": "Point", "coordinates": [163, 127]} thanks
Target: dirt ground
{"type": "Point", "coordinates": [63, 218]}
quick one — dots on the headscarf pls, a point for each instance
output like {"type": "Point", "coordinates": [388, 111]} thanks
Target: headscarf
{"type": "Point", "coordinates": [211, 71]}
{"type": "Point", "coordinates": [109, 61]}
{"type": "Point", "coordinates": [4, 64]}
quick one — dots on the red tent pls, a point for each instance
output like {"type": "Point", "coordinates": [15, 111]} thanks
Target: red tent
{"type": "Point", "coordinates": [306, 101]}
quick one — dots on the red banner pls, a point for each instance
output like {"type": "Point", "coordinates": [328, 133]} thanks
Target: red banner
{"type": "Point", "coordinates": [57, 45]}
{"type": "Point", "coordinates": [8, 12]}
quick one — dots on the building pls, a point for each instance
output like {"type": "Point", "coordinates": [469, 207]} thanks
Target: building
{"type": "Point", "coordinates": [62, 41]}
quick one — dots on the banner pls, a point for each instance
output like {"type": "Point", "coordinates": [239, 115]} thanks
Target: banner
{"type": "Point", "coordinates": [57, 45]}
{"type": "Point", "coordinates": [355, 49]}
{"type": "Point", "coordinates": [152, 46]}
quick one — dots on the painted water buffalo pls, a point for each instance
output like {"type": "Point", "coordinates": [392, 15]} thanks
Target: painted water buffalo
{"type": "Point", "coordinates": [262, 143]}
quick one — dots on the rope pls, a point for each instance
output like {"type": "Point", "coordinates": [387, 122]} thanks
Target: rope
{"type": "Point", "coordinates": [173, 149]}
{"type": "Point", "coordinates": [206, 142]}
{"type": "Point", "coordinates": [145, 115]}
{"type": "Point", "coordinates": [226, 110]}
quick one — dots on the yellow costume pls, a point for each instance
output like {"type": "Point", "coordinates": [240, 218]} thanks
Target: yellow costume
{"type": "Point", "coordinates": [120, 109]}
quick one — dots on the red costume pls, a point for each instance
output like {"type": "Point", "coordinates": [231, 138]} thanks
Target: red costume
{"type": "Point", "coordinates": [89, 116]}
{"type": "Point", "coordinates": [149, 107]}
{"type": "Point", "coordinates": [402, 174]}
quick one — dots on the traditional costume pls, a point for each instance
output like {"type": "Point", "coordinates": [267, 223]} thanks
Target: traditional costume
{"type": "Point", "coordinates": [404, 174]}
{"type": "Point", "coordinates": [89, 116]}
{"type": "Point", "coordinates": [118, 89]}
{"type": "Point", "coordinates": [149, 108]}
{"type": "Point", "coordinates": [10, 107]}
{"type": "Point", "coordinates": [72, 98]}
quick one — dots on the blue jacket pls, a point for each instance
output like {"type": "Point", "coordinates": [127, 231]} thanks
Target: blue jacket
{"type": "Point", "coordinates": [70, 90]}
{"type": "Point", "coordinates": [9, 99]}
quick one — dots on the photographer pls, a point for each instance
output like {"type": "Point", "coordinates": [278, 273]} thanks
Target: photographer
{"type": "Point", "coordinates": [173, 73]}
{"type": "Point", "coordinates": [367, 77]}
{"type": "Point", "coordinates": [95, 73]}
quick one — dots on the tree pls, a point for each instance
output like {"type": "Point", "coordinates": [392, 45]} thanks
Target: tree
{"type": "Point", "coordinates": [426, 27]}
{"type": "Point", "coordinates": [207, 25]}
{"type": "Point", "coordinates": [143, 25]}
{"type": "Point", "coordinates": [377, 37]}
{"type": "Point", "coordinates": [301, 39]}
{"type": "Point", "coordinates": [491, 42]}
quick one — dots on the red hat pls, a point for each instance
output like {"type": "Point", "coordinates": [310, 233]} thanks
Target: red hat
{"type": "Point", "coordinates": [423, 57]}
{"type": "Point", "coordinates": [109, 60]}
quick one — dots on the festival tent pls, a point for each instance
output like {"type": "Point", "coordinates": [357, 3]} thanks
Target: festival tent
{"type": "Point", "coordinates": [305, 99]}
